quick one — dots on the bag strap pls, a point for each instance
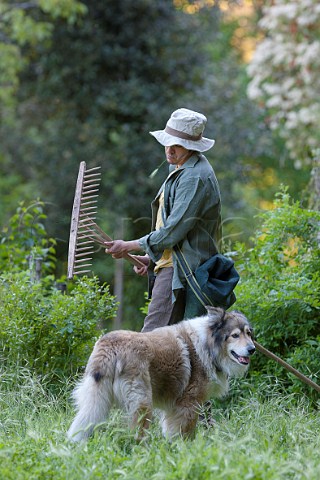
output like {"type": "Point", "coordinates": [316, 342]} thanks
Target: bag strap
{"type": "Point", "coordinates": [192, 282]}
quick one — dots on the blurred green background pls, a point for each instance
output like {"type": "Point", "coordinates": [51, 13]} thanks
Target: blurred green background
{"type": "Point", "coordinates": [86, 81]}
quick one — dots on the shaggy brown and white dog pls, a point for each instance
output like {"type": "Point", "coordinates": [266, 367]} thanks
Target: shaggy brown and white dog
{"type": "Point", "coordinates": [174, 369]}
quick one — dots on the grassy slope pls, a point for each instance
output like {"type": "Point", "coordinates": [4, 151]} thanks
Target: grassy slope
{"type": "Point", "coordinates": [253, 438]}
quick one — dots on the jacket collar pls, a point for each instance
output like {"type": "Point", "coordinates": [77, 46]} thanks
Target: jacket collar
{"type": "Point", "coordinates": [173, 172]}
{"type": "Point", "coordinates": [190, 163]}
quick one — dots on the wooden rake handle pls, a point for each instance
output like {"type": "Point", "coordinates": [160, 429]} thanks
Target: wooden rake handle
{"type": "Point", "coordinates": [99, 236]}
{"type": "Point", "coordinates": [287, 366]}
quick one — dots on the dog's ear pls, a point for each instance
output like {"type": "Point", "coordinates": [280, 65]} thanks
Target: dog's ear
{"type": "Point", "coordinates": [217, 319]}
{"type": "Point", "coordinates": [216, 312]}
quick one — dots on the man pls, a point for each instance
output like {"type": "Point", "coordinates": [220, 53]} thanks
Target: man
{"type": "Point", "coordinates": [186, 212]}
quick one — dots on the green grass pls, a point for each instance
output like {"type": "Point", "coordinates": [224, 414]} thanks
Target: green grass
{"type": "Point", "coordinates": [258, 433]}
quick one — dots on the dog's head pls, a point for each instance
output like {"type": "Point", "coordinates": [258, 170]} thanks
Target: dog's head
{"type": "Point", "coordinates": [232, 337]}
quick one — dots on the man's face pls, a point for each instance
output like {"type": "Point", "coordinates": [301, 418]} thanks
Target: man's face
{"type": "Point", "coordinates": [177, 155]}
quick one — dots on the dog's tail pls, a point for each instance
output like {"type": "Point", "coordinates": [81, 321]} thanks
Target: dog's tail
{"type": "Point", "coordinates": [93, 399]}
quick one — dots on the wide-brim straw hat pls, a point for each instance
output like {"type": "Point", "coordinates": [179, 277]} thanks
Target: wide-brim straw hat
{"type": "Point", "coordinates": [185, 128]}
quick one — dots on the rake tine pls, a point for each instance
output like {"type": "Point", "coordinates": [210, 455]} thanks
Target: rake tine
{"type": "Point", "coordinates": [83, 254]}
{"type": "Point", "coordinates": [101, 232]}
{"type": "Point", "coordinates": [93, 168]}
{"type": "Point", "coordinates": [94, 236]}
{"type": "Point", "coordinates": [88, 210]}
{"type": "Point", "coordinates": [93, 185]}
{"type": "Point", "coordinates": [90, 183]}
{"type": "Point", "coordinates": [89, 178]}
{"type": "Point", "coordinates": [89, 190]}
{"type": "Point", "coordinates": [88, 203]}
{"type": "Point", "coordinates": [89, 197]}
{"type": "Point", "coordinates": [89, 247]}
{"type": "Point", "coordinates": [84, 237]}
{"type": "Point", "coordinates": [96, 240]}
{"type": "Point", "coordinates": [79, 260]}
{"type": "Point", "coordinates": [83, 233]}
{"type": "Point", "coordinates": [83, 266]}
{"type": "Point", "coordinates": [82, 221]}
{"type": "Point", "coordinates": [89, 186]}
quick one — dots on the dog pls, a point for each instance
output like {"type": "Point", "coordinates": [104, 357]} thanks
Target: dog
{"type": "Point", "coordinates": [174, 369]}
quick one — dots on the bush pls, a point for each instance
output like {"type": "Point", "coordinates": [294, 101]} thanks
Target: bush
{"type": "Point", "coordinates": [41, 328]}
{"type": "Point", "coordinates": [25, 239]}
{"type": "Point", "coordinates": [279, 288]}
{"type": "Point", "coordinates": [47, 331]}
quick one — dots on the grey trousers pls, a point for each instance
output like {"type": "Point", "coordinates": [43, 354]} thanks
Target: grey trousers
{"type": "Point", "coordinates": [162, 311]}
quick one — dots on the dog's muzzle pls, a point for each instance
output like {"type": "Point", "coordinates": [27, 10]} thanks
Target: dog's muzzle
{"type": "Point", "coordinates": [244, 360]}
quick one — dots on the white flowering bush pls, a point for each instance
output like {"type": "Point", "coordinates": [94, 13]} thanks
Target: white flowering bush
{"type": "Point", "coordinates": [285, 73]}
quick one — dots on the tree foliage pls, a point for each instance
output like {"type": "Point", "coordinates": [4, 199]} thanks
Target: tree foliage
{"type": "Point", "coordinates": [23, 24]}
{"type": "Point", "coordinates": [95, 91]}
{"type": "Point", "coordinates": [280, 285]}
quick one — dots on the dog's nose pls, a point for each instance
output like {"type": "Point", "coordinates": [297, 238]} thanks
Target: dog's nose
{"type": "Point", "coordinates": [251, 350]}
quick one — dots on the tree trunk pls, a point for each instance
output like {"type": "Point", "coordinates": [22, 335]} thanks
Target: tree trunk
{"type": "Point", "coordinates": [316, 181]}
{"type": "Point", "coordinates": [314, 203]}
{"type": "Point", "coordinates": [118, 292]}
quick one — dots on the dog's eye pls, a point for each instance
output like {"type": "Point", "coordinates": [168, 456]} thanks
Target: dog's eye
{"type": "Point", "coordinates": [235, 335]}
{"type": "Point", "coordinates": [249, 333]}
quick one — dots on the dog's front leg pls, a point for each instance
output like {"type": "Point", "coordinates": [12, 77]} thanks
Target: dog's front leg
{"type": "Point", "coordinates": [180, 420]}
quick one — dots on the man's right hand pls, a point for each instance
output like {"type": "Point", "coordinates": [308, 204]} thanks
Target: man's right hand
{"type": "Point", "coordinates": [119, 248]}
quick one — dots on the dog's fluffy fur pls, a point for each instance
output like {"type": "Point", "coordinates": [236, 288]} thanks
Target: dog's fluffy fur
{"type": "Point", "coordinates": [174, 369]}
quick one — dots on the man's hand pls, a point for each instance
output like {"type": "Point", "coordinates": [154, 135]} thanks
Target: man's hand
{"type": "Point", "coordinates": [142, 271]}
{"type": "Point", "coordinates": [119, 248]}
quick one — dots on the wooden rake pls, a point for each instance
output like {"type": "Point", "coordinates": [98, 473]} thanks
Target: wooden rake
{"type": "Point", "coordinates": [84, 232]}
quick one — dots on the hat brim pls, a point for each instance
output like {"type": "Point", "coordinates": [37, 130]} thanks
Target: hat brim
{"type": "Point", "coordinates": [167, 140]}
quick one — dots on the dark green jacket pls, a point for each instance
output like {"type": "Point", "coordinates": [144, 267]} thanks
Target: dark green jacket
{"type": "Point", "coordinates": [191, 216]}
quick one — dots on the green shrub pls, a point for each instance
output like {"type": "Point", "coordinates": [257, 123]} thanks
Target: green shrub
{"type": "Point", "coordinates": [25, 239]}
{"type": "Point", "coordinates": [51, 333]}
{"type": "Point", "coordinates": [279, 288]}
{"type": "Point", "coordinates": [40, 328]}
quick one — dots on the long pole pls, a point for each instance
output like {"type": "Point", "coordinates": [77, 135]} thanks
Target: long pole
{"type": "Point", "coordinates": [287, 366]}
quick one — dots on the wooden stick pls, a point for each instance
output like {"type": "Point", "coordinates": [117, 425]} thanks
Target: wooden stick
{"type": "Point", "coordinates": [287, 366]}
{"type": "Point", "coordinates": [103, 237]}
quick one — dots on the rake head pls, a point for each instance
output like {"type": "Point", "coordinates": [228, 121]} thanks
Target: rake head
{"type": "Point", "coordinates": [84, 232]}
{"type": "Point", "coordinates": [81, 245]}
